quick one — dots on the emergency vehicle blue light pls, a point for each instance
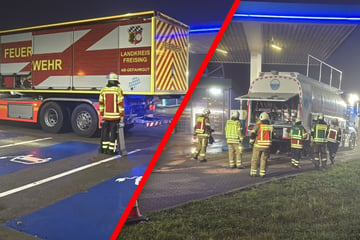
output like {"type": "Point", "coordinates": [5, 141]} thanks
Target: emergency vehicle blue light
{"type": "Point", "coordinates": [205, 30]}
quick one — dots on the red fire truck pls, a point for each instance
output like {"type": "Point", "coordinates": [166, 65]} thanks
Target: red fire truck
{"type": "Point", "coordinates": [52, 74]}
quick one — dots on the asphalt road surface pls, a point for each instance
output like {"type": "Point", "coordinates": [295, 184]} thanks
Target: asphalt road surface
{"type": "Point", "coordinates": [178, 179]}
{"type": "Point", "coordinates": [41, 171]}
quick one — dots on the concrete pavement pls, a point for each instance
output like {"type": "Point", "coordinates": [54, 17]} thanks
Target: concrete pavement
{"type": "Point", "coordinates": [177, 178]}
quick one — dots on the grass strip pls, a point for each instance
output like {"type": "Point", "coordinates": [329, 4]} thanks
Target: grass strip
{"type": "Point", "coordinates": [316, 205]}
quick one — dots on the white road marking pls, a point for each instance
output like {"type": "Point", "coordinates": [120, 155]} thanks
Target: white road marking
{"type": "Point", "coordinates": [37, 183]}
{"type": "Point", "coordinates": [20, 143]}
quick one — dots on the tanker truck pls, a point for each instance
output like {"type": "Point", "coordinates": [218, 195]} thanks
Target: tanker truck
{"type": "Point", "coordinates": [287, 95]}
{"type": "Point", "coordinates": [52, 74]}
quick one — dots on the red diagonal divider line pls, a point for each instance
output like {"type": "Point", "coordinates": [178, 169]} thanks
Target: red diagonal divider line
{"type": "Point", "coordinates": [175, 120]}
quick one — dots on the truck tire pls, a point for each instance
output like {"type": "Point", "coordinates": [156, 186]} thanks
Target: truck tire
{"type": "Point", "coordinates": [84, 120]}
{"type": "Point", "coordinates": [51, 118]}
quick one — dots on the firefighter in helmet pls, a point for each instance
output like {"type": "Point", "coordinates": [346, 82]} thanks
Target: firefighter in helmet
{"type": "Point", "coordinates": [203, 131]}
{"type": "Point", "coordinates": [261, 138]}
{"type": "Point", "coordinates": [234, 137]}
{"type": "Point", "coordinates": [111, 106]}
{"type": "Point", "coordinates": [297, 136]}
{"type": "Point", "coordinates": [319, 139]}
{"type": "Point", "coordinates": [333, 139]}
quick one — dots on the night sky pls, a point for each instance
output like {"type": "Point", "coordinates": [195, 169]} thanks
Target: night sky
{"type": "Point", "coordinates": [15, 14]}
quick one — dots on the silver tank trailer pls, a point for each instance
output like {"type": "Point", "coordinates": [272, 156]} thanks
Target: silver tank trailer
{"type": "Point", "coordinates": [287, 95]}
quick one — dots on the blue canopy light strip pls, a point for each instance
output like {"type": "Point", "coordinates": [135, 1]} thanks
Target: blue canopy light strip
{"type": "Point", "coordinates": [288, 17]}
{"type": "Point", "coordinates": [205, 30]}
{"type": "Point", "coordinates": [311, 17]}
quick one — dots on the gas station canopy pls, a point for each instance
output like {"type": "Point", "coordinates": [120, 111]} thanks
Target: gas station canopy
{"type": "Point", "coordinates": [297, 29]}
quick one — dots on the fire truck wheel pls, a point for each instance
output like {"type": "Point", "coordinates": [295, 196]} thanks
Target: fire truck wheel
{"type": "Point", "coordinates": [84, 120]}
{"type": "Point", "coordinates": [51, 117]}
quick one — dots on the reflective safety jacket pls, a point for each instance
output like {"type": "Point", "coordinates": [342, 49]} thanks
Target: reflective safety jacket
{"type": "Point", "coordinates": [263, 133]}
{"type": "Point", "coordinates": [319, 132]}
{"type": "Point", "coordinates": [202, 126]}
{"type": "Point", "coordinates": [334, 134]}
{"type": "Point", "coordinates": [233, 131]}
{"type": "Point", "coordinates": [111, 103]}
{"type": "Point", "coordinates": [297, 135]}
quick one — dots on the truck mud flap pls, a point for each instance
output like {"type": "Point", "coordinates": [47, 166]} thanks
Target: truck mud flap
{"type": "Point", "coordinates": [121, 140]}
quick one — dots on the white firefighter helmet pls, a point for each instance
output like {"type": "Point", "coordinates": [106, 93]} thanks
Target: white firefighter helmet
{"type": "Point", "coordinates": [321, 116]}
{"type": "Point", "coordinates": [206, 111]}
{"type": "Point", "coordinates": [264, 116]}
{"type": "Point", "coordinates": [298, 120]}
{"type": "Point", "coordinates": [113, 78]}
{"type": "Point", "coordinates": [235, 114]}
{"type": "Point", "coordinates": [335, 122]}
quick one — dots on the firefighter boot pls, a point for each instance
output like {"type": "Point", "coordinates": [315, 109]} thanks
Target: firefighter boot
{"type": "Point", "coordinates": [323, 164]}
{"type": "Point", "coordinates": [317, 164]}
{"type": "Point", "coordinates": [101, 150]}
{"type": "Point", "coordinates": [332, 158]}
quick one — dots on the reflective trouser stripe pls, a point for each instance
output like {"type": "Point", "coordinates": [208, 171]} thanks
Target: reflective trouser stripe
{"type": "Point", "coordinates": [105, 144]}
{"type": "Point", "coordinates": [259, 155]}
{"type": "Point", "coordinates": [235, 147]}
{"type": "Point", "coordinates": [112, 146]}
{"type": "Point", "coordinates": [295, 162]}
{"type": "Point", "coordinates": [201, 146]}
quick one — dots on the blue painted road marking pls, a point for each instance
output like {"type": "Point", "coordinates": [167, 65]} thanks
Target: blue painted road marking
{"type": "Point", "coordinates": [91, 215]}
{"type": "Point", "coordinates": [8, 135]}
{"type": "Point", "coordinates": [20, 160]}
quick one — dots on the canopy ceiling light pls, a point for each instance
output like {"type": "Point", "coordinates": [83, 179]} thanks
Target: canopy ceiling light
{"type": "Point", "coordinates": [222, 51]}
{"type": "Point", "coordinates": [353, 98]}
{"type": "Point", "coordinates": [275, 45]}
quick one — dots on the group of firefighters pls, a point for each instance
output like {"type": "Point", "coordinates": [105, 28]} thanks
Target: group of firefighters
{"type": "Point", "coordinates": [323, 137]}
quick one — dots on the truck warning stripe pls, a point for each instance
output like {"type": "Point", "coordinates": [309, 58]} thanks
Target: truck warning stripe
{"type": "Point", "coordinates": [171, 59]}
{"type": "Point", "coordinates": [25, 159]}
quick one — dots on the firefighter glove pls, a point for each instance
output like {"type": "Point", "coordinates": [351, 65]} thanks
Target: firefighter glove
{"type": "Point", "coordinates": [211, 140]}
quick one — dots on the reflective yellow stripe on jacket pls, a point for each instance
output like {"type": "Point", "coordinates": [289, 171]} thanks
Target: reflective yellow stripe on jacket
{"type": "Point", "coordinates": [320, 133]}
{"type": "Point", "coordinates": [200, 125]}
{"type": "Point", "coordinates": [233, 131]}
{"type": "Point", "coordinates": [297, 139]}
{"type": "Point", "coordinates": [111, 103]}
{"type": "Point", "coordinates": [264, 136]}
{"type": "Point", "coordinates": [332, 135]}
